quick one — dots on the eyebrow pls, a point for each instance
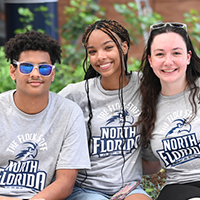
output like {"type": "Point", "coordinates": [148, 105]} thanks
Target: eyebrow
{"type": "Point", "coordinates": [172, 49]}
{"type": "Point", "coordinates": [90, 47]}
{"type": "Point", "coordinates": [44, 62]}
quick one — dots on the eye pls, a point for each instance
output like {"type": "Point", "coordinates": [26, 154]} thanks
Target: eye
{"type": "Point", "coordinates": [177, 53]}
{"type": "Point", "coordinates": [159, 54]}
{"type": "Point", "coordinates": [109, 47]}
{"type": "Point", "coordinates": [91, 51]}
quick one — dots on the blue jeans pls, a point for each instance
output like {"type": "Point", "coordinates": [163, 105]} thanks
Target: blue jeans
{"type": "Point", "coordinates": [87, 194]}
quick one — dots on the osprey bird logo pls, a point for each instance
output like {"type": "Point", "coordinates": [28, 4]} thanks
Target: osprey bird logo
{"type": "Point", "coordinates": [118, 115]}
{"type": "Point", "coordinates": [30, 151]}
{"type": "Point", "coordinates": [180, 126]}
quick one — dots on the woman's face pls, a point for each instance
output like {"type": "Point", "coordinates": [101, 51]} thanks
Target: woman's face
{"type": "Point", "coordinates": [104, 54]}
{"type": "Point", "coordinates": [169, 59]}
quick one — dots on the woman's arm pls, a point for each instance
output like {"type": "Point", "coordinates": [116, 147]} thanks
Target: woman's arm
{"type": "Point", "coordinates": [150, 167]}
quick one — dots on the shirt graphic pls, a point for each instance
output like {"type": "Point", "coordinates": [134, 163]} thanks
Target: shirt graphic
{"type": "Point", "coordinates": [180, 144]}
{"type": "Point", "coordinates": [23, 171]}
{"type": "Point", "coordinates": [111, 139]}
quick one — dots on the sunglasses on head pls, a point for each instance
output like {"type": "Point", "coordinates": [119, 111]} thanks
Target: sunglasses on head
{"type": "Point", "coordinates": [173, 24]}
{"type": "Point", "coordinates": [27, 68]}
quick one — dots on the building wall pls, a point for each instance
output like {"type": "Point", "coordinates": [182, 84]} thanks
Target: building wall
{"type": "Point", "coordinates": [170, 10]}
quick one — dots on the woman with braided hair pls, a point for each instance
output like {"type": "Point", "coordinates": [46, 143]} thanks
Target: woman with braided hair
{"type": "Point", "coordinates": [110, 102]}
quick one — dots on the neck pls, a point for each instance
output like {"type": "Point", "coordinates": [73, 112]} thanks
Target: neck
{"type": "Point", "coordinates": [113, 83]}
{"type": "Point", "coordinates": [30, 104]}
{"type": "Point", "coordinates": [172, 89]}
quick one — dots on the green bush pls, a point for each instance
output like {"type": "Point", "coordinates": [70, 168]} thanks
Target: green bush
{"type": "Point", "coordinates": [66, 74]}
{"type": "Point", "coordinates": [135, 23]}
{"type": "Point", "coordinates": [6, 82]}
{"type": "Point", "coordinates": [192, 19]}
{"type": "Point", "coordinates": [154, 183]}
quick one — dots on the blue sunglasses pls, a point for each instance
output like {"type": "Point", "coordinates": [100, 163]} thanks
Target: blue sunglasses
{"type": "Point", "coordinates": [27, 68]}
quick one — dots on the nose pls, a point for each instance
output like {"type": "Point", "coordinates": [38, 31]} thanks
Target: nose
{"type": "Point", "coordinates": [169, 60]}
{"type": "Point", "coordinates": [101, 55]}
{"type": "Point", "coordinates": [35, 72]}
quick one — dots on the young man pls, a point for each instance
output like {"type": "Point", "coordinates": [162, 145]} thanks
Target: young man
{"type": "Point", "coordinates": [43, 138]}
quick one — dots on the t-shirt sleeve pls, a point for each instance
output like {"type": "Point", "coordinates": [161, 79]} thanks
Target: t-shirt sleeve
{"type": "Point", "coordinates": [74, 151]}
{"type": "Point", "coordinates": [69, 91]}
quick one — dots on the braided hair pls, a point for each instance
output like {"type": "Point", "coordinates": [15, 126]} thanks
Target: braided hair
{"type": "Point", "coordinates": [110, 27]}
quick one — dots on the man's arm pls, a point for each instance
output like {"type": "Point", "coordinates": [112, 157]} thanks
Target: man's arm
{"type": "Point", "coordinates": [61, 188]}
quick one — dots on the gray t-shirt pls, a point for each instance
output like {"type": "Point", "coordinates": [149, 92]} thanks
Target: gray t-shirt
{"type": "Point", "coordinates": [34, 146]}
{"type": "Point", "coordinates": [106, 157]}
{"type": "Point", "coordinates": [175, 143]}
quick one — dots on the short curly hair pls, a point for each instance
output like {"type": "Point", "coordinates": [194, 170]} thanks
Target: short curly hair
{"type": "Point", "coordinates": [32, 40]}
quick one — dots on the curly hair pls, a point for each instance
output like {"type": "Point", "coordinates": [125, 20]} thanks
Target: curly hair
{"type": "Point", "coordinates": [150, 84]}
{"type": "Point", "coordinates": [32, 40]}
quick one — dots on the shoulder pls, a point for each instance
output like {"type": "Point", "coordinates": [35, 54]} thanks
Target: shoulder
{"type": "Point", "coordinates": [134, 83]}
{"type": "Point", "coordinates": [135, 77]}
{"type": "Point", "coordinates": [198, 81]}
{"type": "Point", "coordinates": [76, 89]}
{"type": "Point", "coordinates": [72, 88]}
{"type": "Point", "coordinates": [6, 100]}
{"type": "Point", "coordinates": [5, 95]}
{"type": "Point", "coordinates": [64, 104]}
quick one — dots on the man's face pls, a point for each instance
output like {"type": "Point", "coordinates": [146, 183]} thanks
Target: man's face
{"type": "Point", "coordinates": [33, 84]}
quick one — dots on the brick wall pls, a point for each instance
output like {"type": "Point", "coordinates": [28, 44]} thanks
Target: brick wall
{"type": "Point", "coordinates": [170, 10]}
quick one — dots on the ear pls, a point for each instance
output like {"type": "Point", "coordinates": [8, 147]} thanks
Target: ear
{"type": "Point", "coordinates": [53, 75]}
{"type": "Point", "coordinates": [189, 57]}
{"type": "Point", "coordinates": [13, 72]}
{"type": "Point", "coordinates": [125, 47]}
{"type": "Point", "coordinates": [150, 61]}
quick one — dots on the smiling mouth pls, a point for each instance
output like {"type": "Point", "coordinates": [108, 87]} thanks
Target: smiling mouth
{"type": "Point", "coordinates": [105, 66]}
{"type": "Point", "coordinates": [168, 71]}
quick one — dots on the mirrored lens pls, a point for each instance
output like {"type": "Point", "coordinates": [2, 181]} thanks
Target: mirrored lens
{"type": "Point", "coordinates": [26, 68]}
{"type": "Point", "coordinates": [45, 70]}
